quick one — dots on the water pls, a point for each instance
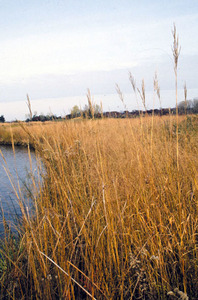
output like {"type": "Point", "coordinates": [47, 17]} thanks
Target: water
{"type": "Point", "coordinates": [18, 168]}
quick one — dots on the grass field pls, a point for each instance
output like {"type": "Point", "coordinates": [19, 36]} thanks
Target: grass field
{"type": "Point", "coordinates": [116, 215]}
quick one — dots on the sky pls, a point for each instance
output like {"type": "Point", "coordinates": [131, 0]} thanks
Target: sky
{"type": "Point", "coordinates": [56, 49]}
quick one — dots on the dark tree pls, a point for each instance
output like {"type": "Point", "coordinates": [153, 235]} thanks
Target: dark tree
{"type": "Point", "coordinates": [2, 119]}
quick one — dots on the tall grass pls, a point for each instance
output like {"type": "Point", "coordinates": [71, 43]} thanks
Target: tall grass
{"type": "Point", "coordinates": [176, 51]}
{"type": "Point", "coordinates": [109, 212]}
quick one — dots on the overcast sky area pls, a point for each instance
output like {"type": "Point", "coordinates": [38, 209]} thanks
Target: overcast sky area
{"type": "Point", "coordinates": [56, 49]}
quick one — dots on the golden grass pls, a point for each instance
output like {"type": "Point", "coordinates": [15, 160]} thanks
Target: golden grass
{"type": "Point", "coordinates": [114, 212]}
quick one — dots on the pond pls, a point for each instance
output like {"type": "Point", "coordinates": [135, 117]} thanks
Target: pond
{"type": "Point", "coordinates": [17, 171]}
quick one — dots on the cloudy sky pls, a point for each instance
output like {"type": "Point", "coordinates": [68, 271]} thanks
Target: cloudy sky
{"type": "Point", "coordinates": [52, 49]}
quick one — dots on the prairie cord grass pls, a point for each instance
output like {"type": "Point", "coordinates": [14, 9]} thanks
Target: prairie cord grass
{"type": "Point", "coordinates": [142, 94]}
{"type": "Point", "coordinates": [121, 96]}
{"type": "Point", "coordinates": [90, 103]}
{"type": "Point", "coordinates": [29, 107]}
{"type": "Point", "coordinates": [111, 220]}
{"type": "Point", "coordinates": [176, 52]}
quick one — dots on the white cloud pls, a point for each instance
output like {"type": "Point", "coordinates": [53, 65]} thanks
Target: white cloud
{"type": "Point", "coordinates": [61, 53]}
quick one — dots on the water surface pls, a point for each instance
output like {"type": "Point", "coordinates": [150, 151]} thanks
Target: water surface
{"type": "Point", "coordinates": [16, 173]}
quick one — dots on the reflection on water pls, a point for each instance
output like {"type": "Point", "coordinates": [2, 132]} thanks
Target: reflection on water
{"type": "Point", "coordinates": [18, 168]}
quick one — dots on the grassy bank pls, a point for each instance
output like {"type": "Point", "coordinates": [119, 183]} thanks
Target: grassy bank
{"type": "Point", "coordinates": [21, 134]}
{"type": "Point", "coordinates": [117, 212]}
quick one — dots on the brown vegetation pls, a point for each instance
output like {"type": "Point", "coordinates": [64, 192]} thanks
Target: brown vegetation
{"type": "Point", "coordinates": [114, 212]}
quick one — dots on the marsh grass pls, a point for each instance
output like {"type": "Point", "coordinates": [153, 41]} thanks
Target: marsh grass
{"type": "Point", "coordinates": [109, 212]}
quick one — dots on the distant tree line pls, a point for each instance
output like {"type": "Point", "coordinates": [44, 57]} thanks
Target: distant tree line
{"type": "Point", "coordinates": [188, 107]}
{"type": "Point", "coordinates": [95, 111]}
{"type": "Point", "coordinates": [43, 118]}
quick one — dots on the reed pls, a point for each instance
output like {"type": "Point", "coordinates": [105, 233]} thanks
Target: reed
{"type": "Point", "coordinates": [107, 212]}
{"type": "Point", "coordinates": [142, 94]}
{"type": "Point", "coordinates": [176, 52]}
{"type": "Point", "coordinates": [29, 107]}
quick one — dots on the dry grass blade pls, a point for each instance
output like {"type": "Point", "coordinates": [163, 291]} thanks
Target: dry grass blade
{"type": "Point", "coordinates": [90, 103]}
{"type": "Point", "coordinates": [175, 49]}
{"type": "Point", "coordinates": [185, 97]}
{"type": "Point", "coordinates": [87, 278]}
{"type": "Point", "coordinates": [142, 94]}
{"type": "Point", "coordinates": [29, 107]}
{"type": "Point", "coordinates": [101, 109]}
{"type": "Point", "coordinates": [132, 81]}
{"type": "Point", "coordinates": [157, 88]}
{"type": "Point", "coordinates": [68, 275]}
{"type": "Point", "coordinates": [121, 96]}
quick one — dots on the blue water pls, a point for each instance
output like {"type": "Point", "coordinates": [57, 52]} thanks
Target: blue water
{"type": "Point", "coordinates": [16, 180]}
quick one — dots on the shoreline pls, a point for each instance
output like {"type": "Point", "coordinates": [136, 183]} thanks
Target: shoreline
{"type": "Point", "coordinates": [17, 144]}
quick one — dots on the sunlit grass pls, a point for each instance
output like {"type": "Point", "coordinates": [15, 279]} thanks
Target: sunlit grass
{"type": "Point", "coordinates": [114, 212]}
